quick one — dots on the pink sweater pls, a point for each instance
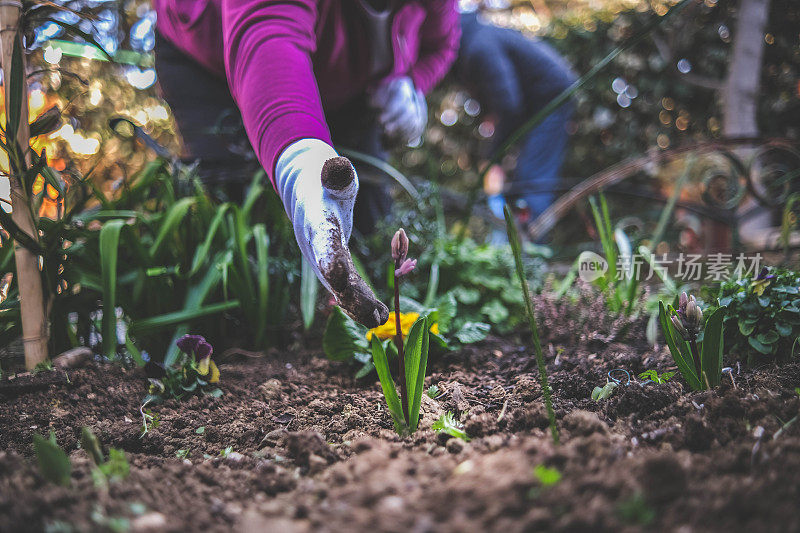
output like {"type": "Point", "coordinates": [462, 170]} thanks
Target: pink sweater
{"type": "Point", "coordinates": [280, 56]}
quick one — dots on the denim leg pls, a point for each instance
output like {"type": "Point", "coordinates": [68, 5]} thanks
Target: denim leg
{"type": "Point", "coordinates": [537, 174]}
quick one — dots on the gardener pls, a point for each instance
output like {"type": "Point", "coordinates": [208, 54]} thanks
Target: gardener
{"type": "Point", "coordinates": [363, 64]}
{"type": "Point", "coordinates": [514, 77]}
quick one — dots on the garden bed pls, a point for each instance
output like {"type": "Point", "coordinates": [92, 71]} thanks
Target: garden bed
{"type": "Point", "coordinates": [308, 447]}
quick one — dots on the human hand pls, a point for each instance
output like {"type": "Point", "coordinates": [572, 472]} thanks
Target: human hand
{"type": "Point", "coordinates": [318, 189]}
{"type": "Point", "coordinates": [403, 113]}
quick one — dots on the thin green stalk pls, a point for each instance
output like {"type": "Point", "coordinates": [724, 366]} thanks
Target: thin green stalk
{"type": "Point", "coordinates": [399, 341]}
{"type": "Point", "coordinates": [554, 104]}
{"type": "Point", "coordinates": [513, 238]}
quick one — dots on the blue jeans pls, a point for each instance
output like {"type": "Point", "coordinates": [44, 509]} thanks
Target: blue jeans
{"type": "Point", "coordinates": [513, 78]}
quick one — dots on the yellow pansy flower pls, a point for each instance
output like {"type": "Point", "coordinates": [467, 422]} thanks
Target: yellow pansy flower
{"type": "Point", "coordinates": [389, 329]}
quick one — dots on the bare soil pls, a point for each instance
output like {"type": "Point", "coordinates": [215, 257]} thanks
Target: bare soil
{"type": "Point", "coordinates": [313, 449]}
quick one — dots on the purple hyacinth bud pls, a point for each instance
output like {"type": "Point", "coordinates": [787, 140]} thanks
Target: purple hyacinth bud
{"type": "Point", "coordinates": [682, 302]}
{"type": "Point", "coordinates": [676, 321]}
{"type": "Point", "coordinates": [400, 245]}
{"type": "Point", "coordinates": [406, 267]}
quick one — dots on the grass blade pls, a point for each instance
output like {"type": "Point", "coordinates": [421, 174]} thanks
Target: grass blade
{"type": "Point", "coordinates": [262, 272]}
{"type": "Point", "coordinates": [387, 383]}
{"type": "Point", "coordinates": [173, 217]}
{"type": "Point", "coordinates": [417, 350]}
{"type": "Point", "coordinates": [167, 320]}
{"type": "Point", "coordinates": [711, 351]}
{"type": "Point", "coordinates": [109, 246]}
{"type": "Point", "coordinates": [309, 288]}
{"type": "Point", "coordinates": [516, 248]}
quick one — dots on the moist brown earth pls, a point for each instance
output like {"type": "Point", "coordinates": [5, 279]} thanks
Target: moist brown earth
{"type": "Point", "coordinates": [313, 448]}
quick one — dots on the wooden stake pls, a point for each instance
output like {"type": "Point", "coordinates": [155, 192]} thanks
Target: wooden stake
{"type": "Point", "coordinates": [29, 279]}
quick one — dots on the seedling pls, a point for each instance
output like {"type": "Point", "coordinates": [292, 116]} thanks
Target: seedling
{"type": "Point", "coordinates": [604, 392]}
{"type": "Point", "coordinates": [182, 454]}
{"type": "Point", "coordinates": [193, 371]}
{"type": "Point", "coordinates": [432, 392]}
{"type": "Point", "coordinates": [114, 468]}
{"type": "Point", "coordinates": [700, 365]}
{"type": "Point", "coordinates": [655, 377]}
{"type": "Point", "coordinates": [226, 452]}
{"type": "Point", "coordinates": [547, 476]}
{"type": "Point", "coordinates": [150, 420]}
{"type": "Point", "coordinates": [449, 425]}
{"type": "Point", "coordinates": [44, 366]}
{"type": "Point", "coordinates": [412, 356]}
{"type": "Point", "coordinates": [513, 238]}
{"type": "Point", "coordinates": [54, 463]}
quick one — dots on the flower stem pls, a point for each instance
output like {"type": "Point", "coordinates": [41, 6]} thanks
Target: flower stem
{"type": "Point", "coordinates": [696, 356]}
{"type": "Point", "coordinates": [399, 342]}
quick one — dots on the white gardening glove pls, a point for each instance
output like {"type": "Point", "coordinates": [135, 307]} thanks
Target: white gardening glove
{"type": "Point", "coordinates": [403, 113]}
{"type": "Point", "coordinates": [318, 190]}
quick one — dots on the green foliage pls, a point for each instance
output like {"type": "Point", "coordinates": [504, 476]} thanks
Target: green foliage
{"type": "Point", "coordinates": [416, 363]}
{"type": "Point", "coordinates": [546, 476]}
{"type": "Point", "coordinates": [449, 425]}
{"type": "Point", "coordinates": [655, 377]}
{"type": "Point", "coordinates": [432, 392]}
{"type": "Point", "coordinates": [696, 353]}
{"type": "Point", "coordinates": [621, 288]}
{"type": "Point", "coordinates": [636, 511]}
{"type": "Point", "coordinates": [513, 238]}
{"type": "Point", "coordinates": [54, 464]}
{"type": "Point", "coordinates": [761, 316]}
{"type": "Point", "coordinates": [604, 392]}
{"type": "Point", "coordinates": [167, 256]}
{"type": "Point", "coordinates": [44, 366]}
{"type": "Point", "coordinates": [479, 280]}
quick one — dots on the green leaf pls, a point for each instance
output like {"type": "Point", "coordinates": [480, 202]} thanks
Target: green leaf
{"type": "Point", "coordinates": [343, 337]}
{"type": "Point", "coordinates": [604, 392]}
{"type": "Point", "coordinates": [447, 307]}
{"type": "Point", "coordinates": [758, 346]}
{"type": "Point", "coordinates": [201, 253]}
{"type": "Point", "coordinates": [261, 240]}
{"type": "Point", "coordinates": [711, 350]}
{"type": "Point", "coordinates": [15, 93]}
{"type": "Point", "coordinates": [168, 320]}
{"type": "Point", "coordinates": [672, 338]}
{"type": "Point", "coordinates": [172, 218]}
{"type": "Point", "coordinates": [466, 295]}
{"type": "Point", "coordinates": [495, 311]}
{"type": "Point", "coordinates": [416, 359]}
{"type": "Point", "coordinates": [309, 288]}
{"type": "Point", "coordinates": [746, 328]}
{"type": "Point", "coordinates": [387, 384]}
{"type": "Point", "coordinates": [117, 465]}
{"type": "Point", "coordinates": [109, 246]}
{"type": "Point", "coordinates": [785, 330]}
{"type": "Point", "coordinates": [472, 332]}
{"type": "Point", "coordinates": [54, 463]}
{"type": "Point", "coordinates": [547, 476]}
{"type": "Point", "coordinates": [769, 337]}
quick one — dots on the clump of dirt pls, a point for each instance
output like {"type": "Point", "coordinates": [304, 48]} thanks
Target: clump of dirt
{"type": "Point", "coordinates": [297, 443]}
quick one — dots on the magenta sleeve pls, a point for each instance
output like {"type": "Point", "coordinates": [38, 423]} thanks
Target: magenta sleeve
{"type": "Point", "coordinates": [439, 38]}
{"type": "Point", "coordinates": [267, 50]}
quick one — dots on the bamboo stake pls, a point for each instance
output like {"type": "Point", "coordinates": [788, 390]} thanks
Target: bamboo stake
{"type": "Point", "coordinates": [29, 279]}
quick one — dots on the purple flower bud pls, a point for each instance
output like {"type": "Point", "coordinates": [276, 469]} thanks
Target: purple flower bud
{"type": "Point", "coordinates": [400, 245]}
{"type": "Point", "coordinates": [407, 266]}
{"type": "Point", "coordinates": [676, 321]}
{"type": "Point", "coordinates": [682, 302]}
